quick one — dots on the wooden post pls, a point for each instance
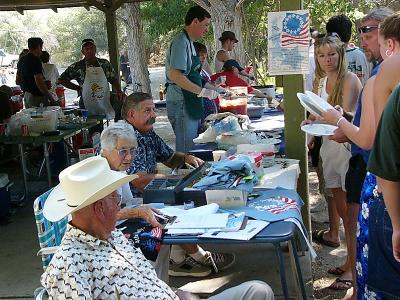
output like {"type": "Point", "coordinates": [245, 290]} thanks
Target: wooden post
{"type": "Point", "coordinates": [112, 36]}
{"type": "Point", "coordinates": [295, 139]}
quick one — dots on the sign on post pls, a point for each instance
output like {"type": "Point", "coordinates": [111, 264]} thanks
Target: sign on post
{"type": "Point", "coordinates": [288, 42]}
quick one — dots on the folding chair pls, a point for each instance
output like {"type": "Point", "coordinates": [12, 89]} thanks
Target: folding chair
{"type": "Point", "coordinates": [50, 235]}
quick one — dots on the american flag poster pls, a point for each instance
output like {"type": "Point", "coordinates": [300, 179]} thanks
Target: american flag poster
{"type": "Point", "coordinates": [288, 42]}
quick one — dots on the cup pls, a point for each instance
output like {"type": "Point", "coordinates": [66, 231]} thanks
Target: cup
{"type": "Point", "coordinates": [219, 155]}
{"type": "Point", "coordinates": [84, 114]}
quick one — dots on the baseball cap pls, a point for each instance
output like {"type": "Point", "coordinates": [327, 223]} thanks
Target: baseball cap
{"type": "Point", "coordinates": [228, 35]}
{"type": "Point", "coordinates": [87, 41]}
{"type": "Point", "coordinates": [232, 63]}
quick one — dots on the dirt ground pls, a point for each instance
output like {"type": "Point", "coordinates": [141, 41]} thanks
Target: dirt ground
{"type": "Point", "coordinates": [327, 257]}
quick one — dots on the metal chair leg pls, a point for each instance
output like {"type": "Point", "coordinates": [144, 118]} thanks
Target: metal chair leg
{"type": "Point", "coordinates": [298, 269]}
{"type": "Point", "coordinates": [282, 273]}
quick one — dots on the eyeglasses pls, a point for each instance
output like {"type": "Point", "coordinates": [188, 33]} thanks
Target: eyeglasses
{"type": "Point", "coordinates": [365, 29]}
{"type": "Point", "coordinates": [118, 197]}
{"type": "Point", "coordinates": [124, 152]}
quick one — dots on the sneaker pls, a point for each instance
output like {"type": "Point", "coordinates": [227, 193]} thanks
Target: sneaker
{"type": "Point", "coordinates": [188, 267]}
{"type": "Point", "coordinates": [218, 261]}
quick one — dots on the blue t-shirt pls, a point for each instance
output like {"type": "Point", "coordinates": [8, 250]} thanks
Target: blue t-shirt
{"type": "Point", "coordinates": [355, 150]}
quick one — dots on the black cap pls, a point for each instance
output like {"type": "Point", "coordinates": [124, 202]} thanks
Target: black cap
{"type": "Point", "coordinates": [232, 63]}
{"type": "Point", "coordinates": [87, 41]}
{"type": "Point", "coordinates": [228, 35]}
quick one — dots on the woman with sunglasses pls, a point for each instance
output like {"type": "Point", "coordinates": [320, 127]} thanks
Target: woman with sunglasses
{"type": "Point", "coordinates": [338, 86]}
{"type": "Point", "coordinates": [118, 143]}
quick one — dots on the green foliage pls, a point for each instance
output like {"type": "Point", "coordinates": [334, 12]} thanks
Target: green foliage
{"type": "Point", "coordinates": [72, 28]}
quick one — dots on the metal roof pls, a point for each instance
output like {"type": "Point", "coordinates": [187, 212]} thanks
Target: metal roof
{"type": "Point", "coordinates": [21, 5]}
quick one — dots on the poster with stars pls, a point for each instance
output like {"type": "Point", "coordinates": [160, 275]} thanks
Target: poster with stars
{"type": "Point", "coordinates": [288, 42]}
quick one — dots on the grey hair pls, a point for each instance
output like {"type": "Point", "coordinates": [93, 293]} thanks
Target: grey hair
{"type": "Point", "coordinates": [378, 14]}
{"type": "Point", "coordinates": [133, 101]}
{"type": "Point", "coordinates": [111, 134]}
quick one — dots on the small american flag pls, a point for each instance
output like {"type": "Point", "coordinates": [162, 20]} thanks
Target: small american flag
{"type": "Point", "coordinates": [295, 30]}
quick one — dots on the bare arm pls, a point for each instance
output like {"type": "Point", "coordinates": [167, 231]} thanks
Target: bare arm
{"type": "Point", "coordinates": [351, 89]}
{"type": "Point", "coordinates": [140, 212]}
{"type": "Point", "coordinates": [222, 56]}
{"type": "Point", "coordinates": [183, 82]}
{"type": "Point", "coordinates": [386, 79]}
{"type": "Point", "coordinates": [39, 80]}
{"type": "Point", "coordinates": [179, 159]}
{"type": "Point", "coordinates": [68, 84]}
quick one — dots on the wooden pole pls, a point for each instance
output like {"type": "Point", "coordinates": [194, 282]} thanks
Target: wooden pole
{"type": "Point", "coordinates": [295, 139]}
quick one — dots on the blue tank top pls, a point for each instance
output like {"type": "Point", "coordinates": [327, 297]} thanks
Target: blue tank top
{"type": "Point", "coordinates": [355, 150]}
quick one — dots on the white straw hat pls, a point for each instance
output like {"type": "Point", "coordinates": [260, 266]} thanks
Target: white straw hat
{"type": "Point", "coordinates": [81, 185]}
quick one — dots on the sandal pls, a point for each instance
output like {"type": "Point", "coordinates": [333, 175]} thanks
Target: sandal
{"type": "Point", "coordinates": [318, 236]}
{"type": "Point", "coordinates": [345, 284]}
{"type": "Point", "coordinates": [336, 271]}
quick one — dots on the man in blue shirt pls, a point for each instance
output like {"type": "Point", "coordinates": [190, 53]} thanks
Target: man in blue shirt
{"type": "Point", "coordinates": [184, 85]}
{"type": "Point", "coordinates": [138, 110]}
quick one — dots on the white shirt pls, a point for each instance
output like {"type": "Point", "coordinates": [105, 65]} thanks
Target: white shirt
{"type": "Point", "coordinates": [85, 267]}
{"type": "Point", "coordinates": [50, 72]}
{"type": "Point", "coordinates": [357, 63]}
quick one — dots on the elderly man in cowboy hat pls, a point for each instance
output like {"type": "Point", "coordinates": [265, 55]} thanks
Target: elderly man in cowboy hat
{"type": "Point", "coordinates": [96, 261]}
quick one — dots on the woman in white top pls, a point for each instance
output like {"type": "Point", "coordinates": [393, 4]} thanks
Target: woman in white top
{"type": "Point", "coordinates": [338, 86]}
{"type": "Point", "coordinates": [228, 41]}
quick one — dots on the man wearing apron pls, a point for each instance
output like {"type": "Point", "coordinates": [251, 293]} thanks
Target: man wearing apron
{"type": "Point", "coordinates": [93, 75]}
{"type": "Point", "coordinates": [184, 85]}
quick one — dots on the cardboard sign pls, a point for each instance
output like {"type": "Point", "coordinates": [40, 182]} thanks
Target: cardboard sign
{"type": "Point", "coordinates": [86, 153]}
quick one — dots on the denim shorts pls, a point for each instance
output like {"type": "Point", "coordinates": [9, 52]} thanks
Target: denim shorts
{"type": "Point", "coordinates": [383, 270]}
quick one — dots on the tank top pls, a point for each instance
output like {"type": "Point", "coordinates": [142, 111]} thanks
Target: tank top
{"type": "Point", "coordinates": [217, 63]}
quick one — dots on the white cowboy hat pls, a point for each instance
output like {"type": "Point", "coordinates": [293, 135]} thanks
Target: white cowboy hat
{"type": "Point", "coordinates": [81, 185]}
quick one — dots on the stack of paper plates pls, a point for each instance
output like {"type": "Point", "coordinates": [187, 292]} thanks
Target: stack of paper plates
{"type": "Point", "coordinates": [313, 103]}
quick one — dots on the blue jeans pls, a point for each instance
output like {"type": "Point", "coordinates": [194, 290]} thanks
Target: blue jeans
{"type": "Point", "coordinates": [185, 128]}
{"type": "Point", "coordinates": [383, 270]}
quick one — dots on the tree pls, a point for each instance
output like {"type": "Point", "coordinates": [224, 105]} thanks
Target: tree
{"type": "Point", "coordinates": [226, 15]}
{"type": "Point", "coordinates": [136, 47]}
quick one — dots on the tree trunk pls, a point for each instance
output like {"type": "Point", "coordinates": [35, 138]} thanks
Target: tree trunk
{"type": "Point", "coordinates": [226, 15]}
{"type": "Point", "coordinates": [136, 48]}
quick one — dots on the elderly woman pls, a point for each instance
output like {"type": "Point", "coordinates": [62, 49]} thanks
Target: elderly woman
{"type": "Point", "coordinates": [118, 143]}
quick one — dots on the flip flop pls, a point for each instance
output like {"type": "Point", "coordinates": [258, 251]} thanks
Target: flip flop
{"type": "Point", "coordinates": [336, 271]}
{"type": "Point", "coordinates": [318, 236]}
{"type": "Point", "coordinates": [347, 283]}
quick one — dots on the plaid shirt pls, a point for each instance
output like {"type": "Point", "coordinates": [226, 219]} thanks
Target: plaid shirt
{"type": "Point", "coordinates": [77, 71]}
{"type": "Point", "coordinates": [85, 267]}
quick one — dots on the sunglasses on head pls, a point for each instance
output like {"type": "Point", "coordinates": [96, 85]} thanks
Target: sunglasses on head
{"type": "Point", "coordinates": [124, 152]}
{"type": "Point", "coordinates": [365, 29]}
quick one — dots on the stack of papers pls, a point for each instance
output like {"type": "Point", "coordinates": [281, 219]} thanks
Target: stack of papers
{"type": "Point", "coordinates": [252, 228]}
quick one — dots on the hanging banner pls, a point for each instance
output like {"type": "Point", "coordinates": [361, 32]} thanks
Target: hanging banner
{"type": "Point", "coordinates": [288, 42]}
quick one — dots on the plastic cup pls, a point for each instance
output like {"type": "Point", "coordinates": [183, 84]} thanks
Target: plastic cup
{"type": "Point", "coordinates": [219, 155]}
{"type": "Point", "coordinates": [84, 114]}
{"type": "Point", "coordinates": [3, 127]}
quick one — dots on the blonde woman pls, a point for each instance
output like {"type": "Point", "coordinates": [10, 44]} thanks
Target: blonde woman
{"type": "Point", "coordinates": [338, 86]}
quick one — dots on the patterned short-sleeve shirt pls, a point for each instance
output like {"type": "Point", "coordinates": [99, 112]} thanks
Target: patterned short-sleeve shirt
{"type": "Point", "coordinates": [85, 267]}
{"type": "Point", "coordinates": [151, 149]}
{"type": "Point", "coordinates": [77, 71]}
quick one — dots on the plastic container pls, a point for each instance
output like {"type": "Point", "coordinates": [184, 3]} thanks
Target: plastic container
{"type": "Point", "coordinates": [268, 159]}
{"type": "Point", "coordinates": [255, 112]}
{"type": "Point", "coordinates": [235, 106]}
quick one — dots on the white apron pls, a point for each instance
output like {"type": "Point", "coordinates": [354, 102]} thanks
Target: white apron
{"type": "Point", "coordinates": [96, 93]}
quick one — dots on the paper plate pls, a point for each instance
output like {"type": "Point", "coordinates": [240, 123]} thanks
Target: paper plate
{"type": "Point", "coordinates": [306, 102]}
{"type": "Point", "coordinates": [271, 141]}
{"type": "Point", "coordinates": [319, 129]}
{"type": "Point", "coordinates": [318, 101]}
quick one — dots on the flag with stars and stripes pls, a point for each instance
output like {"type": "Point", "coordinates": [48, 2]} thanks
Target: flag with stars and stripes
{"type": "Point", "coordinates": [295, 30]}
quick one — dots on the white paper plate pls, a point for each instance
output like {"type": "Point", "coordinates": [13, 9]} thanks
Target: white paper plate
{"type": "Point", "coordinates": [271, 141]}
{"type": "Point", "coordinates": [319, 129]}
{"type": "Point", "coordinates": [306, 102]}
{"type": "Point", "coordinates": [318, 101]}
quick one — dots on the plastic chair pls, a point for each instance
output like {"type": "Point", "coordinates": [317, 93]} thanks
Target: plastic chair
{"type": "Point", "coordinates": [49, 234]}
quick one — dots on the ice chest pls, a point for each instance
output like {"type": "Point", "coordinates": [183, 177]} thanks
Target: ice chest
{"type": "Point", "coordinates": [172, 191]}
{"type": "Point", "coordinates": [5, 198]}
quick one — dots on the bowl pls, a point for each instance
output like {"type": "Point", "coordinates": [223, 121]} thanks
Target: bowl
{"type": "Point", "coordinates": [255, 111]}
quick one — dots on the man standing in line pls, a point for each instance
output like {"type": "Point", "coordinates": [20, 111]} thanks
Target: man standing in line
{"type": "Point", "coordinates": [184, 85]}
{"type": "Point", "coordinates": [93, 75]}
{"type": "Point", "coordinates": [30, 76]}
